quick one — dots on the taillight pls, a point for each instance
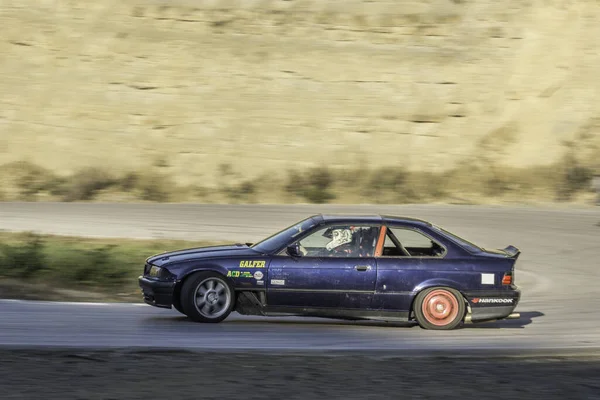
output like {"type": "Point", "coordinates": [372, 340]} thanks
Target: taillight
{"type": "Point", "coordinates": [507, 279]}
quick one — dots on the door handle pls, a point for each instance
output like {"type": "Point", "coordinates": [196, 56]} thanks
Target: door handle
{"type": "Point", "coordinates": [362, 267]}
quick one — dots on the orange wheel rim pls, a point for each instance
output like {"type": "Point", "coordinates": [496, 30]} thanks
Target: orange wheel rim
{"type": "Point", "coordinates": [440, 307]}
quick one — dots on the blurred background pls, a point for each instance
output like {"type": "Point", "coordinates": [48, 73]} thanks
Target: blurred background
{"type": "Point", "coordinates": [437, 109]}
{"type": "Point", "coordinates": [251, 101]}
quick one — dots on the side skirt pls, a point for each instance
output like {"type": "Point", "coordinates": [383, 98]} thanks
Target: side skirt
{"type": "Point", "coordinates": [254, 303]}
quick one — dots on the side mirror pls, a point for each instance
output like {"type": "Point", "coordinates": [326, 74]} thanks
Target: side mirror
{"type": "Point", "coordinates": [294, 250]}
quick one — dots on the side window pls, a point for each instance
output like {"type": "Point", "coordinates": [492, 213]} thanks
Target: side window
{"type": "Point", "coordinates": [390, 249]}
{"type": "Point", "coordinates": [341, 241]}
{"type": "Point", "coordinates": [401, 242]}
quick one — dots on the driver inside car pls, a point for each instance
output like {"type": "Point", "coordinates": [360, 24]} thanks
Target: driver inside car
{"type": "Point", "coordinates": [351, 241]}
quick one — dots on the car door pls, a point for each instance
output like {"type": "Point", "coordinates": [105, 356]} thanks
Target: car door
{"type": "Point", "coordinates": [408, 257]}
{"type": "Point", "coordinates": [337, 270]}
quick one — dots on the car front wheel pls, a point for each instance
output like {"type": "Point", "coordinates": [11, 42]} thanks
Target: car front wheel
{"type": "Point", "coordinates": [207, 297]}
{"type": "Point", "coordinates": [177, 305]}
{"type": "Point", "coordinates": [439, 308]}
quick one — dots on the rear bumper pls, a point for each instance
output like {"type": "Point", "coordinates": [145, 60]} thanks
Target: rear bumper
{"type": "Point", "coordinates": [157, 293]}
{"type": "Point", "coordinates": [492, 305]}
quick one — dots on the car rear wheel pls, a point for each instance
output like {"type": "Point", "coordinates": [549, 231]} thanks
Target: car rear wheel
{"type": "Point", "coordinates": [207, 297]}
{"type": "Point", "coordinates": [439, 308]}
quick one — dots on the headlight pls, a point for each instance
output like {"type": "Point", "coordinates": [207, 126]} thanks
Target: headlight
{"type": "Point", "coordinates": [158, 272]}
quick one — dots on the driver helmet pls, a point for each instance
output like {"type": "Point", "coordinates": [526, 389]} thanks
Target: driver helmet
{"type": "Point", "coordinates": [338, 237]}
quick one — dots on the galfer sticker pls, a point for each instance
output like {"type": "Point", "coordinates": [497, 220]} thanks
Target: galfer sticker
{"type": "Point", "coordinates": [258, 275]}
{"type": "Point", "coordinates": [277, 281]}
{"type": "Point", "coordinates": [252, 264]}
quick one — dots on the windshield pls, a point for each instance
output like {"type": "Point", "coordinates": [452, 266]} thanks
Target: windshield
{"type": "Point", "coordinates": [463, 242]}
{"type": "Point", "coordinates": [284, 236]}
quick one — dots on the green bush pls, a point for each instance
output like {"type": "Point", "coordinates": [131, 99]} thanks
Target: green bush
{"type": "Point", "coordinates": [154, 187]}
{"type": "Point", "coordinates": [390, 183]}
{"type": "Point", "coordinates": [573, 178]}
{"type": "Point", "coordinates": [97, 266]}
{"type": "Point", "coordinates": [129, 181]}
{"type": "Point", "coordinates": [86, 183]}
{"type": "Point", "coordinates": [315, 185]}
{"type": "Point", "coordinates": [29, 179]}
{"type": "Point", "coordinates": [496, 184]}
{"type": "Point", "coordinates": [242, 191]}
{"type": "Point", "coordinates": [468, 181]}
{"type": "Point", "coordinates": [578, 178]}
{"type": "Point", "coordinates": [23, 260]}
{"type": "Point", "coordinates": [71, 262]}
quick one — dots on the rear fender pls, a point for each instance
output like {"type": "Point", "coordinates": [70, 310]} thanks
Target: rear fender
{"type": "Point", "coordinates": [437, 282]}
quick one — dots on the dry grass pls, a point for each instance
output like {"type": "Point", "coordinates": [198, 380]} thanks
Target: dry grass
{"type": "Point", "coordinates": [182, 87]}
{"type": "Point", "coordinates": [567, 180]}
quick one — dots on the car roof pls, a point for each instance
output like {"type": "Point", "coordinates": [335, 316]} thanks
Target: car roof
{"type": "Point", "coordinates": [371, 219]}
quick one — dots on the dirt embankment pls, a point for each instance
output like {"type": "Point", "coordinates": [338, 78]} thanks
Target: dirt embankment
{"type": "Point", "coordinates": [80, 374]}
{"type": "Point", "coordinates": [267, 85]}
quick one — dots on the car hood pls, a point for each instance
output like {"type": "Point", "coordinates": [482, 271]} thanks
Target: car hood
{"type": "Point", "coordinates": [234, 250]}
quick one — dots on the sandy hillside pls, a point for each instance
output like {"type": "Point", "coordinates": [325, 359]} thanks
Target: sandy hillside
{"type": "Point", "coordinates": [265, 85]}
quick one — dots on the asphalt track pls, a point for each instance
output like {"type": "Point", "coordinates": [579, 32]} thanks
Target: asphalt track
{"type": "Point", "coordinates": [558, 271]}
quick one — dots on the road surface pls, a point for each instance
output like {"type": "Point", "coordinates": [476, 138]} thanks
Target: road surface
{"type": "Point", "coordinates": [558, 271]}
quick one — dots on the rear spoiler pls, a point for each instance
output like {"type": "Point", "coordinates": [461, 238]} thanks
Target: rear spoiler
{"type": "Point", "coordinates": [512, 251]}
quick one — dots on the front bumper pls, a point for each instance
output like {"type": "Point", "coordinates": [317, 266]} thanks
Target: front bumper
{"type": "Point", "coordinates": [157, 293]}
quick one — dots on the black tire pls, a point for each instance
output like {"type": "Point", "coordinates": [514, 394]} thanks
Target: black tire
{"type": "Point", "coordinates": [177, 304]}
{"type": "Point", "coordinates": [211, 298]}
{"type": "Point", "coordinates": [444, 308]}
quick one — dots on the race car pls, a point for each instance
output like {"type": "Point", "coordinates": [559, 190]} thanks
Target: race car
{"type": "Point", "coordinates": [372, 267]}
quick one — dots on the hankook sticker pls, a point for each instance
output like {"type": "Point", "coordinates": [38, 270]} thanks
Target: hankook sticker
{"type": "Point", "coordinates": [477, 300]}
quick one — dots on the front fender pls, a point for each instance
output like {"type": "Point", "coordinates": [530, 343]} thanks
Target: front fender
{"type": "Point", "coordinates": [186, 272]}
{"type": "Point", "coordinates": [208, 267]}
{"type": "Point", "coordinates": [212, 267]}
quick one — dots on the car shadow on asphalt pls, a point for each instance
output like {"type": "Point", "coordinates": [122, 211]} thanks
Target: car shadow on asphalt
{"type": "Point", "coordinates": [283, 321]}
{"type": "Point", "coordinates": [327, 322]}
{"type": "Point", "coordinates": [526, 318]}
